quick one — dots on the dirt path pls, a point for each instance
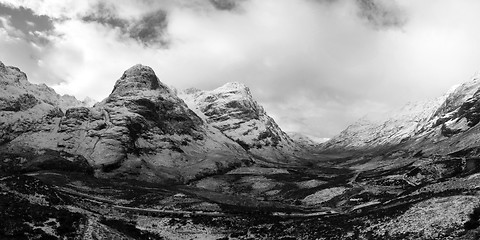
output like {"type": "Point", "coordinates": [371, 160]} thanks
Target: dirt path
{"type": "Point", "coordinates": [152, 211]}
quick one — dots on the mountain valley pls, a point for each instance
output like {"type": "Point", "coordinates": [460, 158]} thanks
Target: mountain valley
{"type": "Point", "coordinates": [150, 162]}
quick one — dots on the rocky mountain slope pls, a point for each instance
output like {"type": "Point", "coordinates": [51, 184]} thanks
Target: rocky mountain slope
{"type": "Point", "coordinates": [142, 130]}
{"type": "Point", "coordinates": [454, 126]}
{"type": "Point", "coordinates": [445, 115]}
{"type": "Point", "coordinates": [232, 110]}
{"type": "Point", "coordinates": [396, 127]}
{"type": "Point", "coordinates": [23, 104]}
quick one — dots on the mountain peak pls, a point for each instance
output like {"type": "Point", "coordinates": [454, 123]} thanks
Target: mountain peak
{"type": "Point", "coordinates": [12, 74]}
{"type": "Point", "coordinates": [138, 77]}
{"type": "Point", "coordinates": [233, 86]}
{"type": "Point", "coordinates": [3, 69]}
{"type": "Point", "coordinates": [139, 69]}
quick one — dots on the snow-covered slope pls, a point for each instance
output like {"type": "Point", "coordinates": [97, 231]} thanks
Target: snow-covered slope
{"type": "Point", "coordinates": [23, 104]}
{"type": "Point", "coordinates": [232, 109]}
{"type": "Point", "coordinates": [307, 141]}
{"type": "Point", "coordinates": [16, 93]}
{"type": "Point", "coordinates": [435, 120]}
{"type": "Point", "coordinates": [454, 126]}
{"type": "Point", "coordinates": [141, 131]}
{"type": "Point", "coordinates": [398, 126]}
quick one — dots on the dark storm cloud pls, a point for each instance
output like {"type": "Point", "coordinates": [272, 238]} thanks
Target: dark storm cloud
{"type": "Point", "coordinates": [381, 13]}
{"type": "Point", "coordinates": [24, 23]}
{"type": "Point", "coordinates": [149, 29]}
{"type": "Point", "coordinates": [227, 5]}
{"type": "Point", "coordinates": [104, 14]}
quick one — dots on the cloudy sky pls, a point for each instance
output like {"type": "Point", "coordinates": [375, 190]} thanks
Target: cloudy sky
{"type": "Point", "coordinates": [315, 65]}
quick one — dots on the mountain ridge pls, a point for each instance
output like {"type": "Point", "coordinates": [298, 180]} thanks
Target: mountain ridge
{"type": "Point", "coordinates": [232, 109]}
{"type": "Point", "coordinates": [416, 126]}
{"type": "Point", "coordinates": [143, 130]}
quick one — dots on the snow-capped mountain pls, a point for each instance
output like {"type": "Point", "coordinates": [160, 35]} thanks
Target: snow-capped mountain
{"type": "Point", "coordinates": [23, 104]}
{"type": "Point", "coordinates": [307, 141]}
{"type": "Point", "coordinates": [398, 126]}
{"type": "Point", "coordinates": [454, 126]}
{"type": "Point", "coordinates": [142, 130]}
{"type": "Point", "coordinates": [17, 93]}
{"type": "Point", "coordinates": [232, 110]}
{"type": "Point", "coordinates": [415, 123]}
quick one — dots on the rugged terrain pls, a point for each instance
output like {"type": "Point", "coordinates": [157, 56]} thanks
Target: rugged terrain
{"type": "Point", "coordinates": [142, 130]}
{"type": "Point", "coordinates": [434, 125]}
{"type": "Point", "coordinates": [399, 125]}
{"type": "Point", "coordinates": [150, 163]}
{"type": "Point", "coordinates": [232, 110]}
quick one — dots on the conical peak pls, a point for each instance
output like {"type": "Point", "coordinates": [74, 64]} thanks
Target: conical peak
{"type": "Point", "coordinates": [138, 77]}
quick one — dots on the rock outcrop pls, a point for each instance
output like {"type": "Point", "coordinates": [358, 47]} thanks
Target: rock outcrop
{"type": "Point", "coordinates": [232, 110]}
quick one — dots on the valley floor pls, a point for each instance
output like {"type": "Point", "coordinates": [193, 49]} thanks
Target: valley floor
{"type": "Point", "coordinates": [361, 198]}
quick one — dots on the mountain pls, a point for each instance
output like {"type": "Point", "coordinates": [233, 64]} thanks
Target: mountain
{"type": "Point", "coordinates": [417, 124]}
{"type": "Point", "coordinates": [369, 133]}
{"type": "Point", "coordinates": [454, 125]}
{"type": "Point", "coordinates": [142, 130]}
{"type": "Point", "coordinates": [307, 141]}
{"type": "Point", "coordinates": [232, 109]}
{"type": "Point", "coordinates": [23, 104]}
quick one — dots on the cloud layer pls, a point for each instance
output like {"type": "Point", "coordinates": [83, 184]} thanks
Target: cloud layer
{"type": "Point", "coordinates": [316, 65]}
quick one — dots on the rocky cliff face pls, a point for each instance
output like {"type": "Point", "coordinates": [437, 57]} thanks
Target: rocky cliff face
{"type": "Point", "coordinates": [232, 110]}
{"type": "Point", "coordinates": [142, 130]}
{"type": "Point", "coordinates": [24, 106]}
